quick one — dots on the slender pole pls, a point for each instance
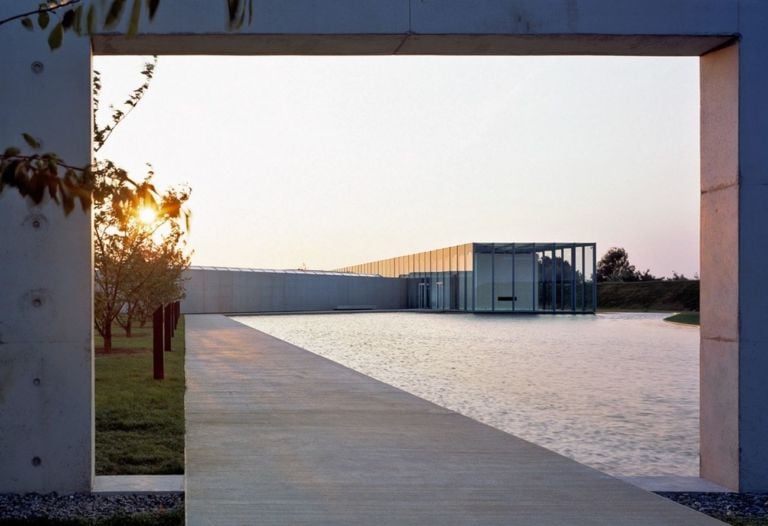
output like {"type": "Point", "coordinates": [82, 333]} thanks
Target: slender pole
{"type": "Point", "coordinates": [168, 326]}
{"type": "Point", "coordinates": [158, 365]}
{"type": "Point", "coordinates": [176, 314]}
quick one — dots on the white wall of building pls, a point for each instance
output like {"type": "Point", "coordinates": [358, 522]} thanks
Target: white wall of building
{"type": "Point", "coordinates": [242, 291]}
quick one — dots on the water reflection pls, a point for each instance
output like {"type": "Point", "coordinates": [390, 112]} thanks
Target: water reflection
{"type": "Point", "coordinates": [618, 392]}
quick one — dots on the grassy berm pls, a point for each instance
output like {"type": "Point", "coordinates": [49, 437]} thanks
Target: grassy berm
{"type": "Point", "coordinates": [139, 420]}
{"type": "Point", "coordinates": [649, 296]}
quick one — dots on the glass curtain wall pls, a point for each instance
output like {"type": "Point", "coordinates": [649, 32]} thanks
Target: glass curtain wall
{"type": "Point", "coordinates": [496, 277]}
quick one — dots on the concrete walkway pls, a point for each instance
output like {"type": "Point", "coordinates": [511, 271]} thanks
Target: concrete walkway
{"type": "Point", "coordinates": [278, 435]}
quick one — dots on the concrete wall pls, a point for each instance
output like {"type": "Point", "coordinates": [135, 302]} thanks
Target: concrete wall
{"type": "Point", "coordinates": [46, 295]}
{"type": "Point", "coordinates": [242, 291]}
{"type": "Point", "coordinates": [52, 271]}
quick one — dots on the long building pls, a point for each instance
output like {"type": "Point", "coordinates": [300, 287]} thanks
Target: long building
{"type": "Point", "coordinates": [496, 277]}
{"type": "Point", "coordinates": [475, 277]}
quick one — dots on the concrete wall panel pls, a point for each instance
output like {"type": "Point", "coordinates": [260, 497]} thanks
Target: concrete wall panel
{"type": "Point", "coordinates": [548, 17]}
{"type": "Point", "coordinates": [226, 291]}
{"type": "Point", "coordinates": [720, 257]}
{"type": "Point", "coordinates": [719, 412]}
{"type": "Point", "coordinates": [46, 291]}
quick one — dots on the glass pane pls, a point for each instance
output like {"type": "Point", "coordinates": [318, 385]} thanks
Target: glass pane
{"type": "Point", "coordinates": [525, 279]}
{"type": "Point", "coordinates": [566, 279]}
{"type": "Point", "coordinates": [579, 278]}
{"type": "Point", "coordinates": [503, 290]}
{"type": "Point", "coordinates": [589, 278]}
{"type": "Point", "coordinates": [483, 271]}
{"type": "Point", "coordinates": [546, 273]}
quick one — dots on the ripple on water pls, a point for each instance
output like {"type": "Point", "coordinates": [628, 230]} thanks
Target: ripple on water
{"type": "Point", "coordinates": [618, 392]}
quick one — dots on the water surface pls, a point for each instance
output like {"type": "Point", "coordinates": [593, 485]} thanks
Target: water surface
{"type": "Point", "coordinates": [619, 392]}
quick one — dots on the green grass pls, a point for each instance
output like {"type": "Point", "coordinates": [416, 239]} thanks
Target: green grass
{"type": "Point", "coordinates": [689, 318]}
{"type": "Point", "coordinates": [139, 420]}
{"type": "Point", "coordinates": [649, 296]}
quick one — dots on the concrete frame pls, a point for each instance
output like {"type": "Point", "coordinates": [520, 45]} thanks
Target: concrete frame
{"type": "Point", "coordinates": [46, 384]}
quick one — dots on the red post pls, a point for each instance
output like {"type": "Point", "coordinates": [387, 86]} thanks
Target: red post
{"type": "Point", "coordinates": [168, 326]}
{"type": "Point", "coordinates": [158, 364]}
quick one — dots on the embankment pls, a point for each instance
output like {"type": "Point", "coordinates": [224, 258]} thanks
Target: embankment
{"type": "Point", "coordinates": [649, 295]}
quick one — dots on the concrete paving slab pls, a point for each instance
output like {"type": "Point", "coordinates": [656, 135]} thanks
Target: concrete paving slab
{"type": "Point", "coordinates": [132, 484]}
{"type": "Point", "coordinates": [277, 435]}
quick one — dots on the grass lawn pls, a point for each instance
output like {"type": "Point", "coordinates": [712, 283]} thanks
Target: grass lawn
{"type": "Point", "coordinates": [689, 318]}
{"type": "Point", "coordinates": [139, 420]}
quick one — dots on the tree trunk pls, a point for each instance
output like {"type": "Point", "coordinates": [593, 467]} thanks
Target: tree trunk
{"type": "Point", "coordinates": [128, 325]}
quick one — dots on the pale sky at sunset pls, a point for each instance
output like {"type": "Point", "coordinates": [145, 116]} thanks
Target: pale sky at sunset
{"type": "Point", "coordinates": [332, 161]}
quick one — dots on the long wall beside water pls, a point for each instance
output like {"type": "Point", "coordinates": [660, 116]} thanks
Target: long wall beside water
{"type": "Point", "coordinates": [234, 290]}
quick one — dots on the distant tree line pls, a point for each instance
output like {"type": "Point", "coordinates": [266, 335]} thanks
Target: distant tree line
{"type": "Point", "coordinates": [615, 266]}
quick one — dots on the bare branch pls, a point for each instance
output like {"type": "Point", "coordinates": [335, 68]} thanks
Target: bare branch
{"type": "Point", "coordinates": [39, 10]}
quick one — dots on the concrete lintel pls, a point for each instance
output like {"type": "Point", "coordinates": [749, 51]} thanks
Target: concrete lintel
{"type": "Point", "coordinates": [409, 44]}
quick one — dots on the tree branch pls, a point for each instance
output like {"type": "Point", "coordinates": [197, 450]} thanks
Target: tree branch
{"type": "Point", "coordinates": [39, 10]}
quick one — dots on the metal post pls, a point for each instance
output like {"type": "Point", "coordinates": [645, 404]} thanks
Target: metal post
{"type": "Point", "coordinates": [554, 279]}
{"type": "Point", "coordinates": [168, 326]}
{"type": "Point", "coordinates": [493, 277]}
{"type": "Point", "coordinates": [594, 278]}
{"type": "Point", "coordinates": [583, 280]}
{"type": "Point", "coordinates": [573, 278]}
{"type": "Point", "coordinates": [158, 365]}
{"type": "Point", "coordinates": [535, 306]}
{"type": "Point", "coordinates": [514, 285]}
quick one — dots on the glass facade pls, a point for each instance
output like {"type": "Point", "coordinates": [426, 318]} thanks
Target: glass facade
{"type": "Point", "coordinates": [496, 277]}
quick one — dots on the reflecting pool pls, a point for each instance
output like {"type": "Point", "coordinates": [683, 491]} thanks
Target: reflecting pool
{"type": "Point", "coordinates": [619, 392]}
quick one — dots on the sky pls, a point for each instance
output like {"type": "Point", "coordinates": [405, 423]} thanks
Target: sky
{"type": "Point", "coordinates": [326, 162]}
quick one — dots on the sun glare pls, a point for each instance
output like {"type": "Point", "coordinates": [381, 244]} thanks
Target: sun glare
{"type": "Point", "coordinates": [147, 215]}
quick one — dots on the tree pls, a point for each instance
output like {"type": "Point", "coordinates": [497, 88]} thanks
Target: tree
{"type": "Point", "coordinates": [155, 274]}
{"type": "Point", "coordinates": [615, 266]}
{"type": "Point", "coordinates": [645, 276]}
{"type": "Point", "coordinates": [137, 265]}
{"type": "Point", "coordinates": [35, 174]}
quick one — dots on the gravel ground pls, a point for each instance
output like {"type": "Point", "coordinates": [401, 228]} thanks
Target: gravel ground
{"type": "Point", "coordinates": [84, 505]}
{"type": "Point", "coordinates": [737, 505]}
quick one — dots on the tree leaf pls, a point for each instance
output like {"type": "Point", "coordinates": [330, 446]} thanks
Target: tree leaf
{"type": "Point", "coordinates": [31, 141]}
{"type": "Point", "coordinates": [37, 187]}
{"type": "Point", "coordinates": [78, 22]}
{"type": "Point", "coordinates": [42, 19]}
{"type": "Point", "coordinates": [133, 25]}
{"type": "Point", "coordinates": [114, 13]}
{"type": "Point", "coordinates": [67, 202]}
{"type": "Point", "coordinates": [56, 36]}
{"type": "Point", "coordinates": [68, 19]}
{"type": "Point", "coordinates": [152, 5]}
{"type": "Point", "coordinates": [27, 22]}
{"type": "Point", "coordinates": [91, 19]}
{"type": "Point", "coordinates": [9, 174]}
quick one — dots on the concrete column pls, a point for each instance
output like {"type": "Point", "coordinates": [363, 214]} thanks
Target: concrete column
{"type": "Point", "coordinates": [46, 296]}
{"type": "Point", "coordinates": [734, 233]}
{"type": "Point", "coordinates": [720, 267]}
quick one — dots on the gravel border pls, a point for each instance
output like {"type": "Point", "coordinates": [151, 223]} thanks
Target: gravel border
{"type": "Point", "coordinates": [92, 506]}
{"type": "Point", "coordinates": [85, 505]}
{"type": "Point", "coordinates": [737, 505]}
